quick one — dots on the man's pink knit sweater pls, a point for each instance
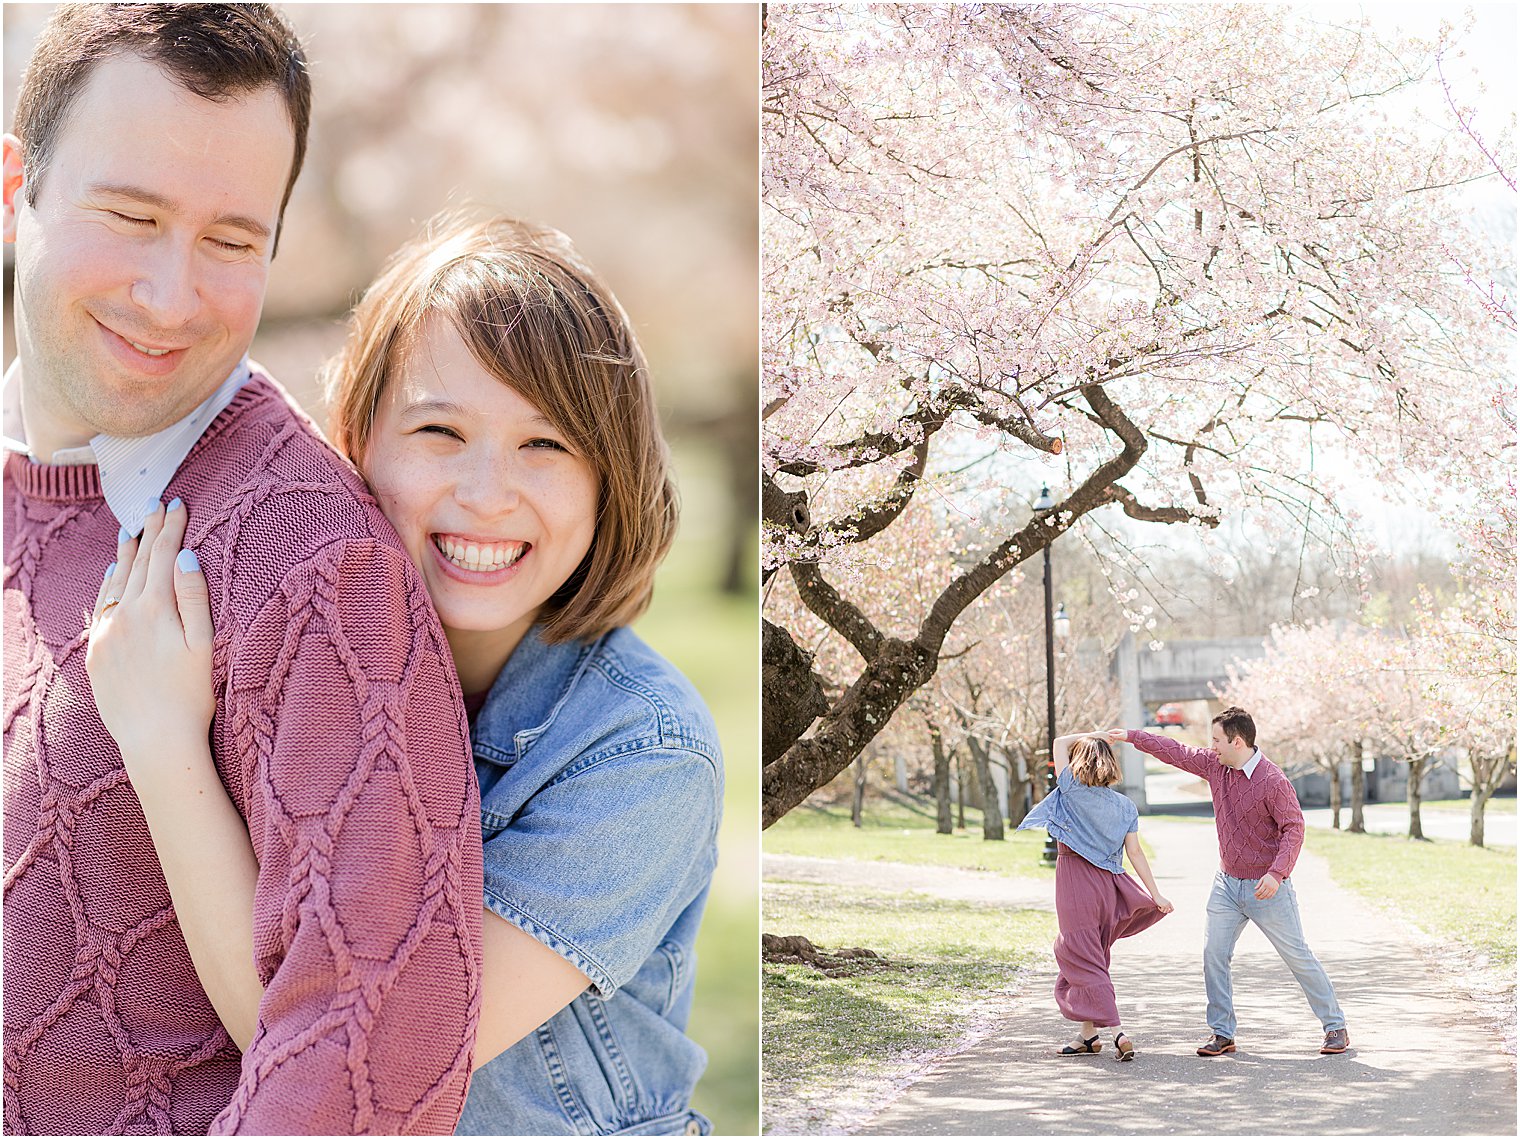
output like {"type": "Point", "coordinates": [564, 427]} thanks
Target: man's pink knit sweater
{"type": "Point", "coordinates": [1257, 817]}
{"type": "Point", "coordinates": [342, 739]}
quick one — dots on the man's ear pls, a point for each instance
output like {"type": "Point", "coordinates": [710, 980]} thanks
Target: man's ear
{"type": "Point", "coordinates": [15, 184]}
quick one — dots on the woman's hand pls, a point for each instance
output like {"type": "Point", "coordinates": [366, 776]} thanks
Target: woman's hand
{"type": "Point", "coordinates": [1116, 735]}
{"type": "Point", "coordinates": [149, 656]}
{"type": "Point", "coordinates": [149, 662]}
{"type": "Point", "coordinates": [1162, 904]}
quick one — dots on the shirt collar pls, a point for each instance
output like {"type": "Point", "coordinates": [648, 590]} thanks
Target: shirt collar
{"type": "Point", "coordinates": [540, 677]}
{"type": "Point", "coordinates": [134, 473]}
{"type": "Point", "coordinates": [1250, 764]}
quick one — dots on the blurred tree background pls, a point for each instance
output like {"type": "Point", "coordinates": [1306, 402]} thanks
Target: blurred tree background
{"type": "Point", "coordinates": [632, 128]}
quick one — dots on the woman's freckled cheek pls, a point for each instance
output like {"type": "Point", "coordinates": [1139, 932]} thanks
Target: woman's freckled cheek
{"type": "Point", "coordinates": [395, 479]}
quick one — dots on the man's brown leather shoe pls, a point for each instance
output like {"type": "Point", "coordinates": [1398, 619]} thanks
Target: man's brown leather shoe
{"type": "Point", "coordinates": [1216, 1045]}
{"type": "Point", "coordinates": [1336, 1040]}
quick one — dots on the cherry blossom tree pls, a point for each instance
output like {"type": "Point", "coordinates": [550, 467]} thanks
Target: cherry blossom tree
{"type": "Point", "coordinates": [1120, 248]}
{"type": "Point", "coordinates": [1474, 689]}
{"type": "Point", "coordinates": [1446, 683]}
{"type": "Point", "coordinates": [1309, 695]}
{"type": "Point", "coordinates": [1484, 715]}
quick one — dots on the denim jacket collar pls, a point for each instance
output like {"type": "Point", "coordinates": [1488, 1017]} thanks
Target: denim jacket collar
{"type": "Point", "coordinates": [541, 677]}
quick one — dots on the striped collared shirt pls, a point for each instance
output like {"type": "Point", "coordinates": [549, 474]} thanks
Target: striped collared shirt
{"type": "Point", "coordinates": [134, 473]}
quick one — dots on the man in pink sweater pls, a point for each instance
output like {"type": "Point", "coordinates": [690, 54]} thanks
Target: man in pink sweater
{"type": "Point", "coordinates": [1261, 830]}
{"type": "Point", "coordinates": [155, 148]}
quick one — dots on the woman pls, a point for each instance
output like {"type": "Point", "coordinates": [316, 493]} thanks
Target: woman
{"type": "Point", "coordinates": [1096, 901]}
{"type": "Point", "coordinates": [494, 396]}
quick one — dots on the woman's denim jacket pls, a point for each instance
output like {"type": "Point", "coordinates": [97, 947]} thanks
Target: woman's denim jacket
{"type": "Point", "coordinates": [601, 787]}
{"type": "Point", "coordinates": [1091, 820]}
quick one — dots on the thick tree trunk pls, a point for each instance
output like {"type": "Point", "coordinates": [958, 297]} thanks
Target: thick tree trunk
{"type": "Point", "coordinates": [1358, 789]}
{"type": "Point", "coordinates": [1335, 796]}
{"type": "Point", "coordinates": [971, 783]}
{"type": "Point", "coordinates": [1018, 786]}
{"type": "Point", "coordinates": [898, 669]}
{"type": "Point", "coordinates": [960, 793]}
{"type": "Point", "coordinates": [858, 802]}
{"type": "Point", "coordinates": [992, 814]}
{"type": "Point", "coordinates": [1416, 773]}
{"type": "Point", "coordinates": [1479, 804]}
{"type": "Point", "coordinates": [943, 822]}
{"type": "Point", "coordinates": [786, 668]}
{"type": "Point", "coordinates": [1039, 785]}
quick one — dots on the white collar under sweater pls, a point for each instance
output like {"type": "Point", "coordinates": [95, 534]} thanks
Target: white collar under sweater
{"type": "Point", "coordinates": [134, 473]}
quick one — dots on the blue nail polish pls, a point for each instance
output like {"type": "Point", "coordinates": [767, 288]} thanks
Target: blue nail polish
{"type": "Point", "coordinates": [110, 569]}
{"type": "Point", "coordinates": [122, 537]}
{"type": "Point", "coordinates": [174, 505]}
{"type": "Point", "coordinates": [187, 561]}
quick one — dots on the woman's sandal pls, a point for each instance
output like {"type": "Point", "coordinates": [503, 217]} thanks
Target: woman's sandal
{"type": "Point", "coordinates": [1090, 1045]}
{"type": "Point", "coordinates": [1123, 1049]}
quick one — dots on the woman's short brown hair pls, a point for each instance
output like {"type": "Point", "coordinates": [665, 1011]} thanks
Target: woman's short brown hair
{"type": "Point", "coordinates": [538, 319]}
{"type": "Point", "coordinates": [1093, 763]}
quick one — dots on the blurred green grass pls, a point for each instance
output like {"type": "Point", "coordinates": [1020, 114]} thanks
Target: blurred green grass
{"type": "Point", "coordinates": [1498, 805]}
{"type": "Point", "coordinates": [714, 638]}
{"type": "Point", "coordinates": [1451, 890]}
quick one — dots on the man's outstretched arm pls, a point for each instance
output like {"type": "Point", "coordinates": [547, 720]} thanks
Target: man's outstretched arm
{"type": "Point", "coordinates": [1193, 759]}
{"type": "Point", "coordinates": [364, 813]}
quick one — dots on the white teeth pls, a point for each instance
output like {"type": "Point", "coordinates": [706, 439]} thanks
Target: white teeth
{"type": "Point", "coordinates": [149, 351]}
{"type": "Point", "coordinates": [482, 559]}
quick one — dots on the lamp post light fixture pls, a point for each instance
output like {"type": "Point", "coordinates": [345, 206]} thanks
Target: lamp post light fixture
{"type": "Point", "coordinates": [1042, 505]}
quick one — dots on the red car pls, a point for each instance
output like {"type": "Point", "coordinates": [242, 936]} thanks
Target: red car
{"type": "Point", "coordinates": [1171, 715]}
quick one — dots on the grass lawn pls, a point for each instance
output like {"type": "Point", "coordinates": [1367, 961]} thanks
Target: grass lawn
{"type": "Point", "coordinates": [900, 828]}
{"type": "Point", "coordinates": [831, 1041]}
{"type": "Point", "coordinates": [1450, 890]}
{"type": "Point", "coordinates": [715, 640]}
{"type": "Point", "coordinates": [1496, 806]}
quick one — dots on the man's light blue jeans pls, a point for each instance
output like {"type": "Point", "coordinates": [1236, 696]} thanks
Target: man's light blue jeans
{"type": "Point", "coordinates": [1232, 903]}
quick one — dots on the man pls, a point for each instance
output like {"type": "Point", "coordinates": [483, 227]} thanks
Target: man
{"type": "Point", "coordinates": [1261, 830]}
{"type": "Point", "coordinates": [155, 148]}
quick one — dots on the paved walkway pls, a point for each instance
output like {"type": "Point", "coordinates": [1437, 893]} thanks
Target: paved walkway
{"type": "Point", "coordinates": [1417, 1066]}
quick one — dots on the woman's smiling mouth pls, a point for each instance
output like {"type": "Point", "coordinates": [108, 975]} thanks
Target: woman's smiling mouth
{"type": "Point", "coordinates": [479, 557]}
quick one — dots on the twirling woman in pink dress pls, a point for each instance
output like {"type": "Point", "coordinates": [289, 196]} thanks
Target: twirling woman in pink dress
{"type": "Point", "coordinates": [1096, 901]}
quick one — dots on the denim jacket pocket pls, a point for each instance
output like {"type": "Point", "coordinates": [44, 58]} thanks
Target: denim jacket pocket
{"type": "Point", "coordinates": [592, 1079]}
{"type": "Point", "coordinates": [661, 979]}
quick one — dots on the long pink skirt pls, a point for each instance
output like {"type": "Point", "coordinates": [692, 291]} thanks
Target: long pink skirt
{"type": "Point", "coordinates": [1094, 909]}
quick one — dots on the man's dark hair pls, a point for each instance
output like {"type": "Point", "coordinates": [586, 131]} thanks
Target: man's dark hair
{"type": "Point", "coordinates": [216, 51]}
{"type": "Point", "coordinates": [1236, 723]}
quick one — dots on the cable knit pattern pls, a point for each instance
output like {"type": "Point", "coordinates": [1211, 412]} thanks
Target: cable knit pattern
{"type": "Point", "coordinates": [1258, 819]}
{"type": "Point", "coordinates": [342, 739]}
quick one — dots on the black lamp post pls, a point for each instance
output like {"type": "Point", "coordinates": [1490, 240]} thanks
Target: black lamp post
{"type": "Point", "coordinates": [1043, 504]}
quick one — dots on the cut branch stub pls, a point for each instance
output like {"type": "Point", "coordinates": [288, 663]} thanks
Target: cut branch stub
{"type": "Point", "coordinates": [787, 509]}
